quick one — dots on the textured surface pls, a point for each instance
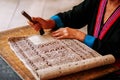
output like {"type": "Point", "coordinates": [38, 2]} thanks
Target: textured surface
{"type": "Point", "coordinates": [50, 54]}
{"type": "Point", "coordinates": [6, 72]}
{"type": "Point", "coordinates": [9, 56]}
{"type": "Point", "coordinates": [12, 59]}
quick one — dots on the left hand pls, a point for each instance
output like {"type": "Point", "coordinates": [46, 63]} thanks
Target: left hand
{"type": "Point", "coordinates": [65, 33]}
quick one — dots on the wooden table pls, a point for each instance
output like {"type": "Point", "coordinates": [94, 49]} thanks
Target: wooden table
{"type": "Point", "coordinates": [14, 61]}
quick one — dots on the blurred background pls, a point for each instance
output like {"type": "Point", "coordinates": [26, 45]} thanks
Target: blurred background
{"type": "Point", "coordinates": [10, 10]}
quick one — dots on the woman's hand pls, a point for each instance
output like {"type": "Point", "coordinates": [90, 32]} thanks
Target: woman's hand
{"type": "Point", "coordinates": [70, 33]}
{"type": "Point", "coordinates": [41, 23]}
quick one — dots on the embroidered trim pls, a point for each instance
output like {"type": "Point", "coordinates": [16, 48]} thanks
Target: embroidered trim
{"type": "Point", "coordinates": [108, 23]}
{"type": "Point", "coordinates": [99, 17]}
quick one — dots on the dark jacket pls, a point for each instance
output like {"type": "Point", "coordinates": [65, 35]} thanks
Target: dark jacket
{"type": "Point", "coordinates": [85, 14]}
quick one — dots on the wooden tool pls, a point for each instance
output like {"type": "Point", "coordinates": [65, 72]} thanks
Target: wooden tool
{"type": "Point", "coordinates": [30, 19]}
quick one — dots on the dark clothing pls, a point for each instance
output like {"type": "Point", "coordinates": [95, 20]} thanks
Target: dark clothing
{"type": "Point", "coordinates": [85, 14]}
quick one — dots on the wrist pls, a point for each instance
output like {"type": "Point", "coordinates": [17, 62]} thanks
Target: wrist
{"type": "Point", "coordinates": [51, 23]}
{"type": "Point", "coordinates": [80, 36]}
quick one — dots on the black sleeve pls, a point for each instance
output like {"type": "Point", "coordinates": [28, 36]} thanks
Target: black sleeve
{"type": "Point", "coordinates": [79, 16]}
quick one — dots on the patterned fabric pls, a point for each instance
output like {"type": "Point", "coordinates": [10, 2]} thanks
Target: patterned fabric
{"type": "Point", "coordinates": [6, 72]}
{"type": "Point", "coordinates": [99, 17]}
{"type": "Point", "coordinates": [98, 32]}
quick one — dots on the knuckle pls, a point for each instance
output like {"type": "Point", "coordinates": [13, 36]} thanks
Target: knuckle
{"type": "Point", "coordinates": [67, 28]}
{"type": "Point", "coordinates": [66, 34]}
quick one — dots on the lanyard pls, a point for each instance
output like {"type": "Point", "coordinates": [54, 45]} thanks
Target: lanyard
{"type": "Point", "coordinates": [111, 20]}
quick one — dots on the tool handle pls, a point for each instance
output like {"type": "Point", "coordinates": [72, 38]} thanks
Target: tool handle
{"type": "Point", "coordinates": [30, 19]}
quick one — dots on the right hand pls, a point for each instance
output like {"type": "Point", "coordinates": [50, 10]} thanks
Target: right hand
{"type": "Point", "coordinates": [41, 23]}
{"type": "Point", "coordinates": [69, 33]}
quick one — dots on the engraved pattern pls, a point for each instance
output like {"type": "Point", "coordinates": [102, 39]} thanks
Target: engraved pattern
{"type": "Point", "coordinates": [52, 53]}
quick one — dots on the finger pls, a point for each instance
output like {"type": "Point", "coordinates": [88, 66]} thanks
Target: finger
{"type": "Point", "coordinates": [30, 23]}
{"type": "Point", "coordinates": [38, 19]}
{"type": "Point", "coordinates": [60, 37]}
{"type": "Point", "coordinates": [56, 34]}
{"type": "Point", "coordinates": [37, 27]}
{"type": "Point", "coordinates": [57, 31]}
{"type": "Point", "coordinates": [34, 18]}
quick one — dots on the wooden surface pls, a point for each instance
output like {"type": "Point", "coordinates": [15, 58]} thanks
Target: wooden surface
{"type": "Point", "coordinates": [12, 59]}
{"type": "Point", "coordinates": [9, 55]}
